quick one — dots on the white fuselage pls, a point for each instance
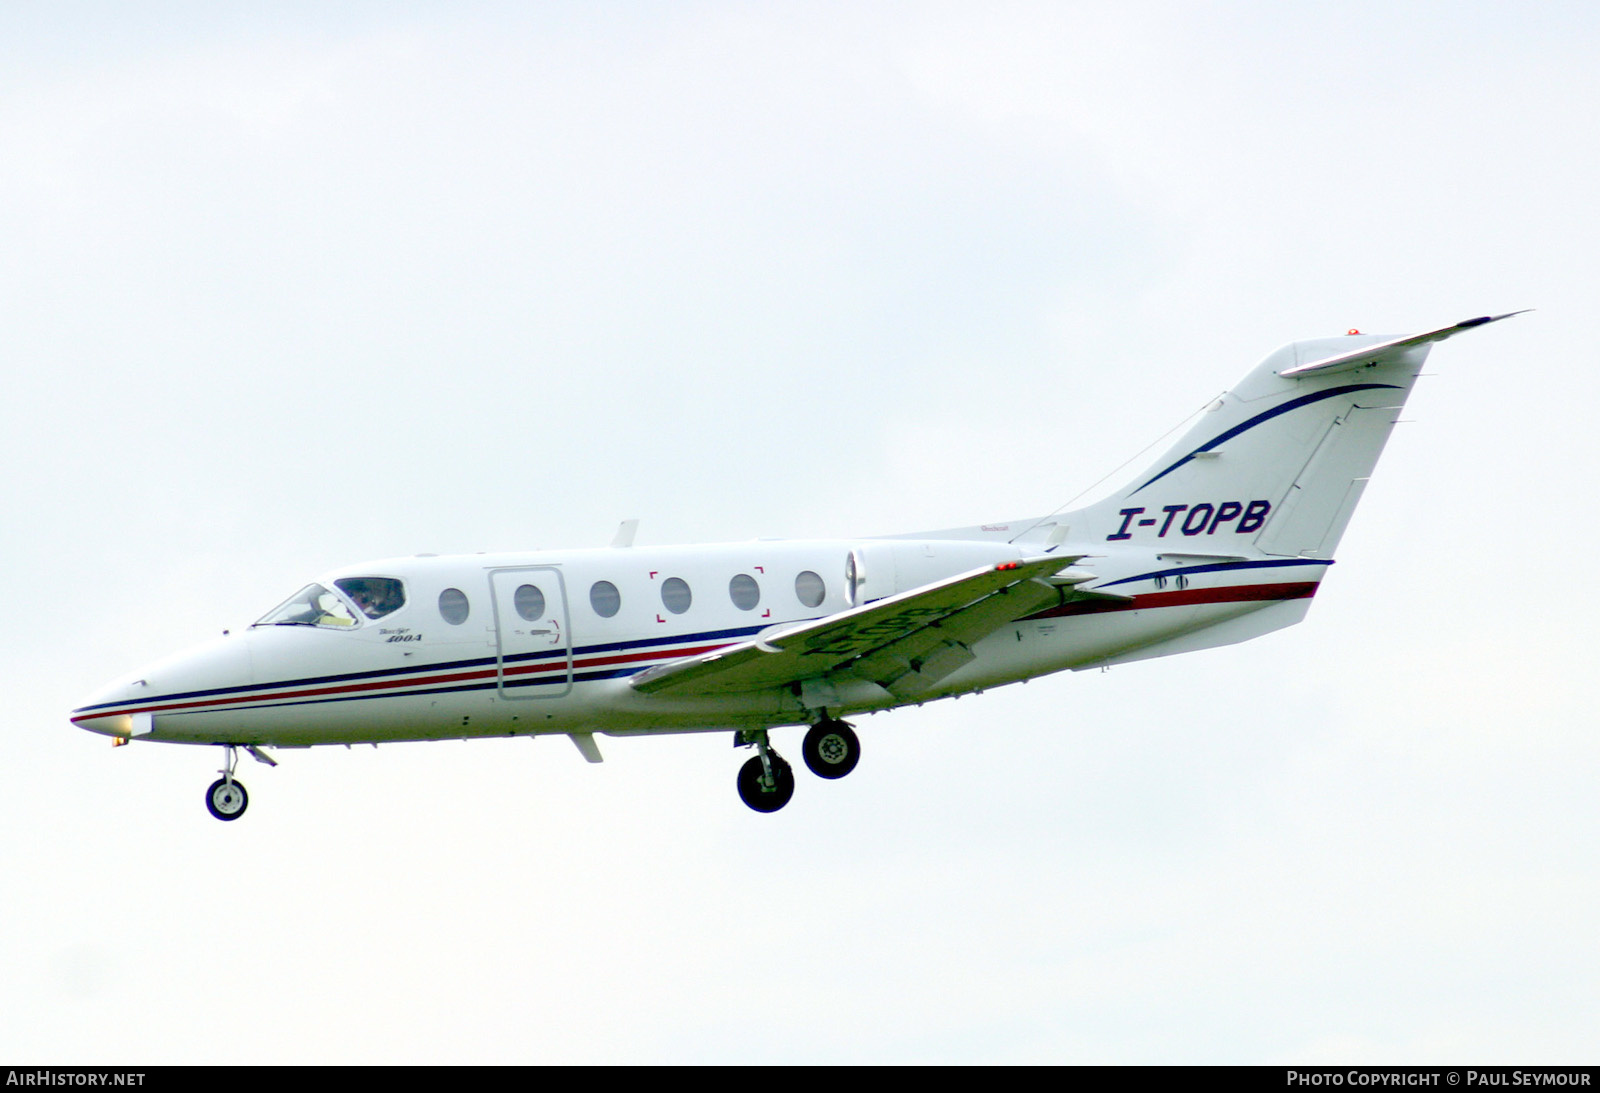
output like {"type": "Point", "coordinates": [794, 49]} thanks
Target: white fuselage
{"type": "Point", "coordinates": [416, 674]}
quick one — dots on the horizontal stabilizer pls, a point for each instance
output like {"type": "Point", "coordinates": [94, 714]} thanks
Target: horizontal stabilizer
{"type": "Point", "coordinates": [1385, 352]}
{"type": "Point", "coordinates": [919, 636]}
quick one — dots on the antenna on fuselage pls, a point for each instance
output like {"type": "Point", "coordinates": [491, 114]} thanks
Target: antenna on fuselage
{"type": "Point", "coordinates": [625, 533]}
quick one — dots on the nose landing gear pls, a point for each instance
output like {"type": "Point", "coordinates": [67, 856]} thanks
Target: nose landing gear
{"type": "Point", "coordinates": [226, 799]}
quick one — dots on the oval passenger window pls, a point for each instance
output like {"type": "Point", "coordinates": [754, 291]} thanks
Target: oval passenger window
{"type": "Point", "coordinates": [529, 602]}
{"type": "Point", "coordinates": [605, 599]}
{"type": "Point", "coordinates": [453, 606]}
{"type": "Point", "coordinates": [675, 595]}
{"type": "Point", "coordinates": [809, 587]}
{"type": "Point", "coordinates": [744, 592]}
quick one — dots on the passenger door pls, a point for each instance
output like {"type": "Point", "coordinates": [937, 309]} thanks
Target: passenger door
{"type": "Point", "coordinates": [533, 641]}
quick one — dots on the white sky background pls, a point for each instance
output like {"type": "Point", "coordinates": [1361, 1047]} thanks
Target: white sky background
{"type": "Point", "coordinates": [282, 289]}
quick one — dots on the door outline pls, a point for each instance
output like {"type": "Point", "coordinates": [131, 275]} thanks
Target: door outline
{"type": "Point", "coordinates": [556, 612]}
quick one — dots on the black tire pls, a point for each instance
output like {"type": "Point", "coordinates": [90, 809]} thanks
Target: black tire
{"type": "Point", "coordinates": [763, 798]}
{"type": "Point", "coordinates": [831, 749]}
{"type": "Point", "coordinates": [227, 800]}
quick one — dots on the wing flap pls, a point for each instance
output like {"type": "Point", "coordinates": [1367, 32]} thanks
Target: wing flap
{"type": "Point", "coordinates": [917, 637]}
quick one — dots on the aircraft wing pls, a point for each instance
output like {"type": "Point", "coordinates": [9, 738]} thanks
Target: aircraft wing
{"type": "Point", "coordinates": [903, 642]}
{"type": "Point", "coordinates": [1385, 351]}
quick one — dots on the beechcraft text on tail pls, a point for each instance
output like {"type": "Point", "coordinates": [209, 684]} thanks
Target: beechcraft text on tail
{"type": "Point", "coordinates": [1225, 537]}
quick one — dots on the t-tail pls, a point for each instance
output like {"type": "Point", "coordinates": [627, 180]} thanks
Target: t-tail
{"type": "Point", "coordinates": [1275, 466]}
{"type": "Point", "coordinates": [1239, 520]}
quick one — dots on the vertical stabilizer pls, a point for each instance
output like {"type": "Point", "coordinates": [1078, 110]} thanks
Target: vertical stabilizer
{"type": "Point", "coordinates": [1277, 464]}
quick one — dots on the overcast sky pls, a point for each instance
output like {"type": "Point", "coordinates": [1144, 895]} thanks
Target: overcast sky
{"type": "Point", "coordinates": [285, 286]}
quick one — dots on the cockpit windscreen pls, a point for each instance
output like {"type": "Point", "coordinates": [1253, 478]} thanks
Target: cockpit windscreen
{"type": "Point", "coordinates": [313, 605]}
{"type": "Point", "coordinates": [376, 596]}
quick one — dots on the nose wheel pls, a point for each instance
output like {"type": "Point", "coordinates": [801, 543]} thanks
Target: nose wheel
{"type": "Point", "coordinates": [226, 799]}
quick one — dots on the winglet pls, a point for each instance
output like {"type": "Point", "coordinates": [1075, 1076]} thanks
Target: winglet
{"type": "Point", "coordinates": [1376, 354]}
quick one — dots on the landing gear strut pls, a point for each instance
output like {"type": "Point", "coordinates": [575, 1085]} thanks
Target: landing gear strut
{"type": "Point", "coordinates": [831, 749]}
{"type": "Point", "coordinates": [766, 781]}
{"type": "Point", "coordinates": [226, 799]}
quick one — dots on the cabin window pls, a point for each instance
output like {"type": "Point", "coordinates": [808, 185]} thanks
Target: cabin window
{"type": "Point", "coordinates": [453, 606]}
{"type": "Point", "coordinates": [675, 595]}
{"type": "Point", "coordinates": [313, 605]}
{"type": "Point", "coordinates": [605, 599]}
{"type": "Point", "coordinates": [744, 592]}
{"type": "Point", "coordinates": [529, 602]}
{"type": "Point", "coordinates": [809, 587]}
{"type": "Point", "coordinates": [375, 596]}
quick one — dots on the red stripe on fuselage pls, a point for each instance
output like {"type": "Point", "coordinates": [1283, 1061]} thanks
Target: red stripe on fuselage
{"type": "Point", "coordinates": [1186, 597]}
{"type": "Point", "coordinates": [622, 658]}
{"type": "Point", "coordinates": [1181, 598]}
{"type": "Point", "coordinates": [402, 684]}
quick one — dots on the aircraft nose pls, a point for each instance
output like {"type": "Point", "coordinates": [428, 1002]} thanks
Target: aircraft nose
{"type": "Point", "coordinates": [111, 709]}
{"type": "Point", "coordinates": [128, 705]}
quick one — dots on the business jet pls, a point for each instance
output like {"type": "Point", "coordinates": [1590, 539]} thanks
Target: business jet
{"type": "Point", "coordinates": [1224, 538]}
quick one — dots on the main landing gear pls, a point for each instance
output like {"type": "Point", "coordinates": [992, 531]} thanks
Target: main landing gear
{"type": "Point", "coordinates": [226, 799]}
{"type": "Point", "coordinates": [766, 781]}
{"type": "Point", "coordinates": [831, 749]}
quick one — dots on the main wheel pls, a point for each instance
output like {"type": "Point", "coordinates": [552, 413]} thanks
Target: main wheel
{"type": "Point", "coordinates": [831, 749]}
{"type": "Point", "coordinates": [227, 800]}
{"type": "Point", "coordinates": [764, 798]}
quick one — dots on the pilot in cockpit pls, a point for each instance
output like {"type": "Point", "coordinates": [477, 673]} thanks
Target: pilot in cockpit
{"type": "Point", "coordinates": [375, 596]}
